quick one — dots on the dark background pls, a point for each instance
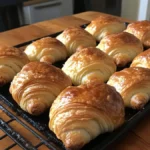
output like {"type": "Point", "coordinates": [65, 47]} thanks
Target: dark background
{"type": "Point", "coordinates": [9, 18]}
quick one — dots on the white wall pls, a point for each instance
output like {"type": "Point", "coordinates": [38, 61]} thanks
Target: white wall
{"type": "Point", "coordinates": [136, 9]}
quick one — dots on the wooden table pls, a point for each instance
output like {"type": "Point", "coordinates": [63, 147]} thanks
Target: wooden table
{"type": "Point", "coordinates": [136, 139]}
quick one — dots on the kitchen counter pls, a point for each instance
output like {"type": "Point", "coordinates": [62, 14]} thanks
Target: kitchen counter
{"type": "Point", "coordinates": [138, 138]}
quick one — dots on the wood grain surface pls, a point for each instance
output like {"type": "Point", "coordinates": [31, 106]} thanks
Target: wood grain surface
{"type": "Point", "coordinates": [136, 139]}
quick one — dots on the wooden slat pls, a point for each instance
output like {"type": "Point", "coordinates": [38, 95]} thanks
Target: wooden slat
{"type": "Point", "coordinates": [37, 30]}
{"type": "Point", "coordinates": [131, 142]}
{"type": "Point", "coordinates": [43, 147]}
{"type": "Point", "coordinates": [90, 15]}
{"type": "Point", "coordinates": [2, 133]}
{"type": "Point", "coordinates": [24, 132]}
{"type": "Point", "coordinates": [143, 129]}
{"type": "Point", "coordinates": [4, 116]}
{"type": "Point", "coordinates": [16, 148]}
{"type": "Point", "coordinates": [5, 142]}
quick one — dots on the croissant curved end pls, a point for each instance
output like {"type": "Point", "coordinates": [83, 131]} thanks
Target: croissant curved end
{"type": "Point", "coordinates": [139, 100]}
{"type": "Point", "coordinates": [35, 107]}
{"type": "Point", "coordinates": [92, 76]}
{"type": "Point", "coordinates": [2, 81]}
{"type": "Point", "coordinates": [147, 43]}
{"type": "Point", "coordinates": [48, 59]}
{"type": "Point", "coordinates": [121, 60]}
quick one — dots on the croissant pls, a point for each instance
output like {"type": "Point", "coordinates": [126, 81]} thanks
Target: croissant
{"type": "Point", "coordinates": [46, 49]}
{"type": "Point", "coordinates": [89, 64]}
{"type": "Point", "coordinates": [140, 29]}
{"type": "Point", "coordinates": [81, 113]}
{"type": "Point", "coordinates": [76, 38]}
{"type": "Point", "coordinates": [105, 25]}
{"type": "Point", "coordinates": [122, 47]}
{"type": "Point", "coordinates": [133, 84]}
{"type": "Point", "coordinates": [142, 60]}
{"type": "Point", "coordinates": [11, 62]}
{"type": "Point", "coordinates": [36, 86]}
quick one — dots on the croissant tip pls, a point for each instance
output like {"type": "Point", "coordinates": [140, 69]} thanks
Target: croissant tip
{"type": "Point", "coordinates": [35, 108]}
{"type": "Point", "coordinates": [139, 100]}
{"type": "Point", "coordinates": [120, 62]}
{"type": "Point", "coordinates": [138, 106]}
{"type": "Point", "coordinates": [2, 82]}
{"type": "Point", "coordinates": [76, 147]}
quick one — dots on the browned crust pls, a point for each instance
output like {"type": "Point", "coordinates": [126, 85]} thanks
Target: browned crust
{"type": "Point", "coordinates": [107, 19]}
{"type": "Point", "coordinates": [139, 26]}
{"type": "Point", "coordinates": [88, 55]}
{"type": "Point", "coordinates": [104, 99]}
{"type": "Point", "coordinates": [122, 38]}
{"type": "Point", "coordinates": [47, 42]}
{"type": "Point", "coordinates": [13, 52]}
{"type": "Point", "coordinates": [130, 76]}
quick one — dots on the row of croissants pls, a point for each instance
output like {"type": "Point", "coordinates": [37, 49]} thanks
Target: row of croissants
{"type": "Point", "coordinates": [88, 95]}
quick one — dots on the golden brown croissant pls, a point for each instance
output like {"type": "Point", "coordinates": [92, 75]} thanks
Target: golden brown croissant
{"type": "Point", "coordinates": [134, 86]}
{"type": "Point", "coordinates": [105, 25]}
{"type": "Point", "coordinates": [142, 60]}
{"type": "Point", "coordinates": [11, 62]}
{"type": "Point", "coordinates": [36, 86]}
{"type": "Point", "coordinates": [140, 29]}
{"type": "Point", "coordinates": [46, 50]}
{"type": "Point", "coordinates": [122, 47]}
{"type": "Point", "coordinates": [76, 38]}
{"type": "Point", "coordinates": [89, 64]}
{"type": "Point", "coordinates": [81, 113]}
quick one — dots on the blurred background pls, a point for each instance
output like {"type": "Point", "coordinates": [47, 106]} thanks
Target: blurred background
{"type": "Point", "coordinates": [16, 13]}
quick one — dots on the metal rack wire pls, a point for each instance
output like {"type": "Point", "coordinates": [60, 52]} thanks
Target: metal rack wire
{"type": "Point", "coordinates": [50, 142]}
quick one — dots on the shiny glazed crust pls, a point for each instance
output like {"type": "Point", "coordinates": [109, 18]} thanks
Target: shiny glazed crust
{"type": "Point", "coordinates": [81, 113]}
{"type": "Point", "coordinates": [11, 62]}
{"type": "Point", "coordinates": [122, 47]}
{"type": "Point", "coordinates": [142, 60]}
{"type": "Point", "coordinates": [140, 29]}
{"type": "Point", "coordinates": [76, 38]}
{"type": "Point", "coordinates": [47, 49]}
{"type": "Point", "coordinates": [105, 25]}
{"type": "Point", "coordinates": [133, 84]}
{"type": "Point", "coordinates": [89, 64]}
{"type": "Point", "coordinates": [36, 86]}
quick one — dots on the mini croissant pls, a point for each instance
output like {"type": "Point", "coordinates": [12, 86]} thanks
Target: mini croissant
{"type": "Point", "coordinates": [47, 49]}
{"type": "Point", "coordinates": [105, 25]}
{"type": "Point", "coordinates": [134, 86]}
{"type": "Point", "coordinates": [89, 64]}
{"type": "Point", "coordinates": [142, 60]}
{"type": "Point", "coordinates": [80, 113]}
{"type": "Point", "coordinates": [36, 86]}
{"type": "Point", "coordinates": [122, 47]}
{"type": "Point", "coordinates": [76, 38]}
{"type": "Point", "coordinates": [11, 62]}
{"type": "Point", "coordinates": [140, 29]}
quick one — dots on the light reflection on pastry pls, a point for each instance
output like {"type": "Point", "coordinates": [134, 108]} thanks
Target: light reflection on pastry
{"type": "Point", "coordinates": [140, 29]}
{"type": "Point", "coordinates": [142, 60]}
{"type": "Point", "coordinates": [76, 38]}
{"type": "Point", "coordinates": [11, 62]}
{"type": "Point", "coordinates": [80, 113]}
{"type": "Point", "coordinates": [47, 49]}
{"type": "Point", "coordinates": [89, 64]}
{"type": "Point", "coordinates": [122, 47]}
{"type": "Point", "coordinates": [36, 86]}
{"type": "Point", "coordinates": [105, 25]}
{"type": "Point", "coordinates": [133, 84]}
